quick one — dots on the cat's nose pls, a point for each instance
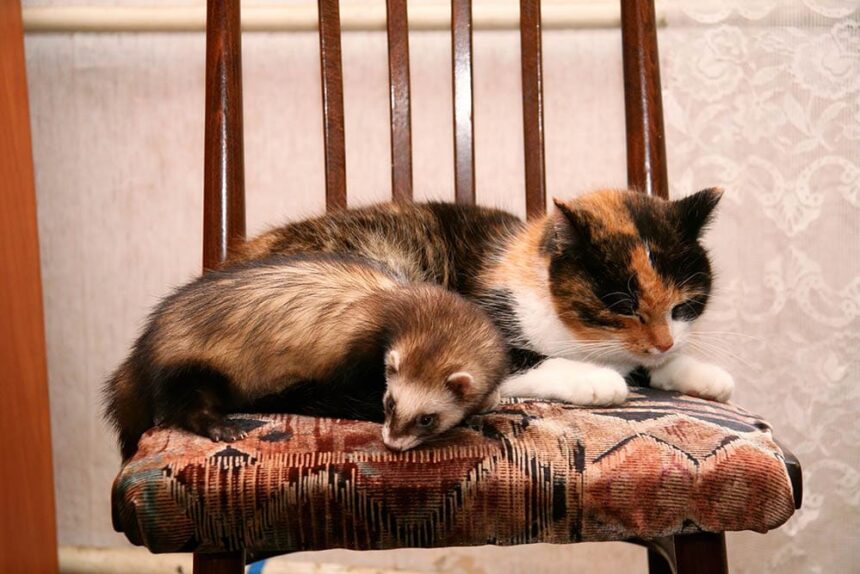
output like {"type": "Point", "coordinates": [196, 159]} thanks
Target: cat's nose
{"type": "Point", "coordinates": [661, 347]}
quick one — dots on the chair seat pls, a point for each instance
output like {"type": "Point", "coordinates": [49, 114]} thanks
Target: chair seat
{"type": "Point", "coordinates": [530, 471]}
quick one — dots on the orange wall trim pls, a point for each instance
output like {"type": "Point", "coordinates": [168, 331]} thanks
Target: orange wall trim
{"type": "Point", "coordinates": [28, 537]}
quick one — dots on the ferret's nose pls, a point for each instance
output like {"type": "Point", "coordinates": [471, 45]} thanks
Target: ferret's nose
{"type": "Point", "coordinates": [393, 445]}
{"type": "Point", "coordinates": [398, 444]}
{"type": "Point", "coordinates": [390, 442]}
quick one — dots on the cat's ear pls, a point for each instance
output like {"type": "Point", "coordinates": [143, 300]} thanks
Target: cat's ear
{"type": "Point", "coordinates": [696, 211]}
{"type": "Point", "coordinates": [565, 231]}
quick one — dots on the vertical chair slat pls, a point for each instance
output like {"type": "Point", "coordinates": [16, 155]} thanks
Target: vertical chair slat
{"type": "Point", "coordinates": [224, 171]}
{"type": "Point", "coordinates": [646, 147]}
{"type": "Point", "coordinates": [464, 147]}
{"type": "Point", "coordinates": [532, 80]}
{"type": "Point", "coordinates": [401, 114]}
{"type": "Point", "coordinates": [332, 100]}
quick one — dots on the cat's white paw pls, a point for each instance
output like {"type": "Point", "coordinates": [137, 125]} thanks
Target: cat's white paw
{"type": "Point", "coordinates": [691, 377]}
{"type": "Point", "coordinates": [570, 381]}
{"type": "Point", "coordinates": [599, 387]}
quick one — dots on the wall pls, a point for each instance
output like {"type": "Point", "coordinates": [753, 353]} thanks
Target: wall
{"type": "Point", "coordinates": [760, 98]}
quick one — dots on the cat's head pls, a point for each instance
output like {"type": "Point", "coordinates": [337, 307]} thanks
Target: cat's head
{"type": "Point", "coordinates": [627, 271]}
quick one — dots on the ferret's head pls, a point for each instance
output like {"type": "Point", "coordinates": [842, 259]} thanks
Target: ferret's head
{"type": "Point", "coordinates": [439, 375]}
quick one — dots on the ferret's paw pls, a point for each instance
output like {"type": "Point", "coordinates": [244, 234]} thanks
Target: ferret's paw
{"type": "Point", "coordinates": [695, 378]}
{"type": "Point", "coordinates": [226, 431]}
{"type": "Point", "coordinates": [598, 386]}
{"type": "Point", "coordinates": [491, 402]}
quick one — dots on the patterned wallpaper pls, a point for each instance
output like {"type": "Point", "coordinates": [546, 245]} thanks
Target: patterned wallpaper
{"type": "Point", "coordinates": [761, 97]}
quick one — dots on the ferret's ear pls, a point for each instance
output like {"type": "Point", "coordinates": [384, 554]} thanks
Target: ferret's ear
{"type": "Point", "coordinates": [460, 383]}
{"type": "Point", "coordinates": [392, 362]}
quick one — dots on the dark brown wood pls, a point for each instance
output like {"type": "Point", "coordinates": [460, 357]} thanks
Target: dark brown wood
{"type": "Point", "coordinates": [224, 171]}
{"type": "Point", "coordinates": [28, 535]}
{"type": "Point", "coordinates": [400, 103]}
{"type": "Point", "coordinates": [532, 80]}
{"type": "Point", "coordinates": [332, 99]}
{"type": "Point", "coordinates": [658, 564]}
{"type": "Point", "coordinates": [646, 147]}
{"type": "Point", "coordinates": [661, 554]}
{"type": "Point", "coordinates": [221, 563]}
{"type": "Point", "coordinates": [464, 131]}
{"type": "Point", "coordinates": [703, 553]}
{"type": "Point", "coordinates": [795, 474]}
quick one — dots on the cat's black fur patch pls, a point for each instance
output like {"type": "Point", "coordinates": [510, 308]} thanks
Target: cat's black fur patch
{"type": "Point", "coordinates": [499, 305]}
{"type": "Point", "coordinates": [671, 231]}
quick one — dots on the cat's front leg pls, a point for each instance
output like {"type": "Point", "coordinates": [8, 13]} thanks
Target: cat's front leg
{"type": "Point", "coordinates": [574, 382]}
{"type": "Point", "coordinates": [693, 377]}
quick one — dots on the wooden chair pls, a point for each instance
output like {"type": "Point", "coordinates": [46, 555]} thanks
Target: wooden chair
{"type": "Point", "coordinates": [224, 212]}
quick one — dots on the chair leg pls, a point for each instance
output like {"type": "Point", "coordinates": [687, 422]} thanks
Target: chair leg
{"type": "Point", "coordinates": [703, 553]}
{"type": "Point", "coordinates": [661, 555]}
{"type": "Point", "coordinates": [219, 563]}
{"type": "Point", "coordinates": [657, 563]}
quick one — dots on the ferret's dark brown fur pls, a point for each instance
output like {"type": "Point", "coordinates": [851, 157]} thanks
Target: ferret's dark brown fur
{"type": "Point", "coordinates": [307, 334]}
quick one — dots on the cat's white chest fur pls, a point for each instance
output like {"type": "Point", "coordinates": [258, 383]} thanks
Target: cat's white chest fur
{"type": "Point", "coordinates": [541, 325]}
{"type": "Point", "coordinates": [546, 333]}
{"type": "Point", "coordinates": [566, 376]}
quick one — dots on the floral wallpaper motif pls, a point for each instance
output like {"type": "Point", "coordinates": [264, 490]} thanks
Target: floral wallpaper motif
{"type": "Point", "coordinates": [763, 98]}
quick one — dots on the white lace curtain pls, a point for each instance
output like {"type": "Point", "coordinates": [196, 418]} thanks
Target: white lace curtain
{"type": "Point", "coordinates": [763, 98]}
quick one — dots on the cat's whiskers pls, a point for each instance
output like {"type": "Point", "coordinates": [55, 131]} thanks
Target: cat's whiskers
{"type": "Point", "coordinates": [582, 344]}
{"type": "Point", "coordinates": [596, 356]}
{"type": "Point", "coordinates": [710, 348]}
{"type": "Point", "coordinates": [722, 345]}
{"type": "Point", "coordinates": [725, 334]}
{"type": "Point", "coordinates": [691, 278]}
{"type": "Point", "coordinates": [630, 287]}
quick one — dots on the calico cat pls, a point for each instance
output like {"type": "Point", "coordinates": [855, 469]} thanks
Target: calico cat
{"type": "Point", "coordinates": [605, 283]}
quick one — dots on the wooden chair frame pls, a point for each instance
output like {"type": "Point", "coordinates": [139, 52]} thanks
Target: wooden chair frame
{"type": "Point", "coordinates": [224, 200]}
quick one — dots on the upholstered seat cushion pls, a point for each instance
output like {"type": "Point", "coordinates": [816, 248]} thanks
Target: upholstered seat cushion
{"type": "Point", "coordinates": [531, 471]}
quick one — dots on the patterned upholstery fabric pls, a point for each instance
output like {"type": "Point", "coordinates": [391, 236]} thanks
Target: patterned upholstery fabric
{"type": "Point", "coordinates": [531, 471]}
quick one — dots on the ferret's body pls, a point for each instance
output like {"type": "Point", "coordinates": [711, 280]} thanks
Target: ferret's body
{"type": "Point", "coordinates": [310, 334]}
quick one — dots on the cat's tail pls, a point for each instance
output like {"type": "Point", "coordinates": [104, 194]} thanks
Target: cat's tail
{"type": "Point", "coordinates": [128, 407]}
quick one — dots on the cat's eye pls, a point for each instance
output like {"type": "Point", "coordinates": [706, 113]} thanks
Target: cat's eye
{"type": "Point", "coordinates": [426, 421]}
{"type": "Point", "coordinates": [689, 310]}
{"type": "Point", "coordinates": [624, 307]}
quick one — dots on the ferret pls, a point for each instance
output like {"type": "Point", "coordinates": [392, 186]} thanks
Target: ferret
{"type": "Point", "coordinates": [325, 335]}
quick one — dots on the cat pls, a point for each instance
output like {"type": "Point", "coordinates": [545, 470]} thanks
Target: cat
{"type": "Point", "coordinates": [604, 284]}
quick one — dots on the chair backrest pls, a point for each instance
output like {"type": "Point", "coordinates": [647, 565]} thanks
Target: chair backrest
{"type": "Point", "coordinates": [224, 194]}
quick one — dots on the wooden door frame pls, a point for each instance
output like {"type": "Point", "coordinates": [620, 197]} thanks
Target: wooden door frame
{"type": "Point", "coordinates": [28, 535]}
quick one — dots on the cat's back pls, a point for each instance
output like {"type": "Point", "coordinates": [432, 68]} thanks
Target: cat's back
{"type": "Point", "coordinates": [438, 242]}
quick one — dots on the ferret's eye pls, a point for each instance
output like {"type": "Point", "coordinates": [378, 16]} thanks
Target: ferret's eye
{"type": "Point", "coordinates": [426, 421]}
{"type": "Point", "coordinates": [389, 405]}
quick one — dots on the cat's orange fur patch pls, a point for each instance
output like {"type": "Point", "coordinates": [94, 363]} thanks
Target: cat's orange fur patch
{"type": "Point", "coordinates": [607, 207]}
{"type": "Point", "coordinates": [524, 260]}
